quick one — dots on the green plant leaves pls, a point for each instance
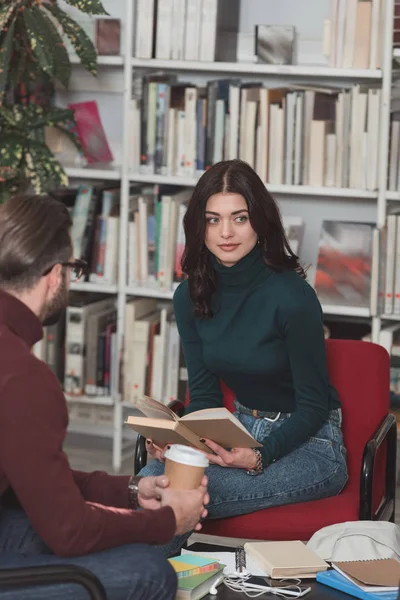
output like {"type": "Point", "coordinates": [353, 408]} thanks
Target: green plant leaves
{"type": "Point", "coordinates": [90, 7]}
{"type": "Point", "coordinates": [78, 37]}
{"type": "Point", "coordinates": [61, 63]}
{"type": "Point", "coordinates": [6, 49]}
{"type": "Point", "coordinates": [5, 14]}
{"type": "Point", "coordinates": [37, 40]}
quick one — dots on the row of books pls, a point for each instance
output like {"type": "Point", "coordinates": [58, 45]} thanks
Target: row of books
{"type": "Point", "coordinates": [180, 29]}
{"type": "Point", "coordinates": [292, 136]}
{"type": "Point", "coordinates": [153, 362]}
{"type": "Point", "coordinates": [356, 33]}
{"type": "Point", "coordinates": [81, 349]}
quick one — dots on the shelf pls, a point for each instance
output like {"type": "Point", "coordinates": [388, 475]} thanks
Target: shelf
{"type": "Point", "coordinates": [390, 317]}
{"type": "Point", "coordinates": [148, 292]}
{"type": "Point", "coordinates": [346, 311]}
{"type": "Point", "coordinates": [288, 190]}
{"type": "Point", "coordinates": [391, 195]}
{"type": "Point", "coordinates": [96, 400]}
{"type": "Point", "coordinates": [106, 172]}
{"type": "Point", "coordinates": [88, 286]}
{"type": "Point", "coordinates": [102, 61]}
{"type": "Point", "coordinates": [306, 71]}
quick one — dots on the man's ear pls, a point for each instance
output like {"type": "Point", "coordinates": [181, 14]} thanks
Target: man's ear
{"type": "Point", "coordinates": [54, 277]}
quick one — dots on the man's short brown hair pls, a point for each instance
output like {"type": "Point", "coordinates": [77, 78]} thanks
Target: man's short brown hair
{"type": "Point", "coordinates": [34, 235]}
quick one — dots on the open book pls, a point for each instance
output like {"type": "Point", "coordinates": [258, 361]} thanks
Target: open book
{"type": "Point", "coordinates": [163, 426]}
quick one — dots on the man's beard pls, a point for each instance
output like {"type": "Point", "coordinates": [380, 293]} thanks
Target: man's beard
{"type": "Point", "coordinates": [52, 311]}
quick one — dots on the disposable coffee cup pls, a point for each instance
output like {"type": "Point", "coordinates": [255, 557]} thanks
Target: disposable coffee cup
{"type": "Point", "coordinates": [184, 467]}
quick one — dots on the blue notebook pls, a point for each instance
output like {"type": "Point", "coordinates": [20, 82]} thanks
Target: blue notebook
{"type": "Point", "coordinates": [335, 580]}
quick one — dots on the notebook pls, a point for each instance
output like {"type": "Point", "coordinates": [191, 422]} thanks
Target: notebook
{"type": "Point", "coordinates": [336, 580]}
{"type": "Point", "coordinates": [197, 586]}
{"type": "Point", "coordinates": [379, 575]}
{"type": "Point", "coordinates": [286, 559]}
{"type": "Point", "coordinates": [193, 565]}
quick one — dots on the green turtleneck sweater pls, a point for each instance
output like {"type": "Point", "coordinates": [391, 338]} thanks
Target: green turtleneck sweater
{"type": "Point", "coordinates": [266, 342]}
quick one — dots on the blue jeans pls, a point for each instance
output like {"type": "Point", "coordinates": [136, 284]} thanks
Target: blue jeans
{"type": "Point", "coordinates": [130, 572]}
{"type": "Point", "coordinates": [315, 470]}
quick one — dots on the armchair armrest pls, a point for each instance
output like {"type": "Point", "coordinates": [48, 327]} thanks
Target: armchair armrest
{"type": "Point", "coordinates": [386, 431]}
{"type": "Point", "coordinates": [140, 459]}
{"type": "Point", "coordinates": [51, 575]}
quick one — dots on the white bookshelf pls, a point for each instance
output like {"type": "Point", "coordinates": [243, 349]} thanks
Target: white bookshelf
{"type": "Point", "coordinates": [329, 198]}
{"type": "Point", "coordinates": [249, 68]}
{"type": "Point", "coordinates": [102, 61]}
{"type": "Point", "coordinates": [88, 286]}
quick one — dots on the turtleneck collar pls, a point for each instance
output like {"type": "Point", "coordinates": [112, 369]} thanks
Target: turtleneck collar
{"type": "Point", "coordinates": [15, 315]}
{"type": "Point", "coordinates": [243, 272]}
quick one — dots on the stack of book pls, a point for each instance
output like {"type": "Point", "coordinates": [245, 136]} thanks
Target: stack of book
{"type": "Point", "coordinates": [196, 575]}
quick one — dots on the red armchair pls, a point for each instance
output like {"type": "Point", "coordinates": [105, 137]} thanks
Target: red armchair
{"type": "Point", "coordinates": [360, 372]}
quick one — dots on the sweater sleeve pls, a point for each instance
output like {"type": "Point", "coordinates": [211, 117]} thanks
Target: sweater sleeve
{"type": "Point", "coordinates": [301, 325]}
{"type": "Point", "coordinates": [33, 421]}
{"type": "Point", "coordinates": [98, 486]}
{"type": "Point", "coordinates": [204, 386]}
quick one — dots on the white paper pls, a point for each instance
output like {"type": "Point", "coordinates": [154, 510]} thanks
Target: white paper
{"type": "Point", "coordinates": [228, 559]}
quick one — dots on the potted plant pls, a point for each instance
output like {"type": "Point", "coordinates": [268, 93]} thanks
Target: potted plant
{"type": "Point", "coordinates": [33, 58]}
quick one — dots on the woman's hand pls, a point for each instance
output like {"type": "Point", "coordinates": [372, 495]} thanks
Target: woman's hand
{"type": "Point", "coordinates": [155, 451]}
{"type": "Point", "coordinates": [239, 458]}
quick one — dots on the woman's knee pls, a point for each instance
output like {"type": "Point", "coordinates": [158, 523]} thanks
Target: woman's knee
{"type": "Point", "coordinates": [154, 467]}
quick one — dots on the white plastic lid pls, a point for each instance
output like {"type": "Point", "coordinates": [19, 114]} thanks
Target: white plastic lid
{"type": "Point", "coordinates": [186, 456]}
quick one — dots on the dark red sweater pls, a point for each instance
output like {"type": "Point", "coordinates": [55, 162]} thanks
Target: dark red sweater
{"type": "Point", "coordinates": [74, 513]}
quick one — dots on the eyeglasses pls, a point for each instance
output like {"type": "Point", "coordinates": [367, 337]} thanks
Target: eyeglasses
{"type": "Point", "coordinates": [78, 268]}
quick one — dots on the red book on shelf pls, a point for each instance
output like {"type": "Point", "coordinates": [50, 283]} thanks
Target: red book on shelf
{"type": "Point", "coordinates": [91, 132]}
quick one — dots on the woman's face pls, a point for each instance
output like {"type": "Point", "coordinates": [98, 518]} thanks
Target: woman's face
{"type": "Point", "coordinates": [229, 235]}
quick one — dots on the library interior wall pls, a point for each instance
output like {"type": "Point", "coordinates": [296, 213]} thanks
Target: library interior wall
{"type": "Point", "coordinates": [308, 17]}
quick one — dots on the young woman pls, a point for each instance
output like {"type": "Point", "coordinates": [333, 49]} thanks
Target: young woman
{"type": "Point", "coordinates": [247, 316]}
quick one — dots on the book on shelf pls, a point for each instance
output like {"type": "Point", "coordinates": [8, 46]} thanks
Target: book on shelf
{"type": "Point", "coordinates": [108, 36]}
{"type": "Point", "coordinates": [343, 275]}
{"type": "Point", "coordinates": [91, 132]}
{"type": "Point", "coordinates": [86, 309]}
{"type": "Point", "coordinates": [297, 135]}
{"type": "Point", "coordinates": [186, 29]}
{"type": "Point", "coordinates": [163, 426]}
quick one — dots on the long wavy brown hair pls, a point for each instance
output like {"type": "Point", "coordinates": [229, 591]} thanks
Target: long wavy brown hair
{"type": "Point", "coordinates": [232, 177]}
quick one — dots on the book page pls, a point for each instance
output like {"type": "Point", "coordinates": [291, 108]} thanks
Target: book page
{"type": "Point", "coordinates": [220, 426]}
{"type": "Point", "coordinates": [163, 432]}
{"type": "Point", "coordinates": [154, 409]}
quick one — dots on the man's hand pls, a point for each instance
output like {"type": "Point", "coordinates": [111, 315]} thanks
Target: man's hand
{"type": "Point", "coordinates": [188, 506]}
{"type": "Point", "coordinates": [239, 458]}
{"type": "Point", "coordinates": [149, 491]}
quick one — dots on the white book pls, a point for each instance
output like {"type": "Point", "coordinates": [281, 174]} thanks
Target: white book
{"type": "Point", "coordinates": [394, 154]}
{"type": "Point", "coordinates": [289, 137]}
{"type": "Point", "coordinates": [272, 154]}
{"type": "Point", "coordinates": [164, 29]}
{"type": "Point", "coordinates": [178, 29]}
{"type": "Point", "coordinates": [180, 143]}
{"type": "Point", "coordinates": [309, 97]}
{"type": "Point", "coordinates": [143, 240]}
{"type": "Point", "coordinates": [340, 31]}
{"type": "Point", "coordinates": [219, 131]}
{"type": "Point", "coordinates": [373, 139]}
{"type": "Point", "coordinates": [208, 30]}
{"type": "Point", "coordinates": [374, 52]}
{"type": "Point", "coordinates": [132, 253]}
{"type": "Point", "coordinates": [390, 263]}
{"type": "Point", "coordinates": [298, 141]}
{"type": "Point", "coordinates": [339, 118]}
{"type": "Point", "coordinates": [375, 274]}
{"type": "Point", "coordinates": [317, 153]}
{"type": "Point", "coordinates": [262, 142]}
{"type": "Point", "coordinates": [330, 160]}
{"type": "Point", "coordinates": [349, 34]}
{"type": "Point", "coordinates": [190, 131]}
{"type": "Point", "coordinates": [111, 251]}
{"type": "Point", "coordinates": [172, 379]}
{"type": "Point", "coordinates": [234, 107]}
{"type": "Point", "coordinates": [171, 143]}
{"type": "Point", "coordinates": [144, 28]}
{"type": "Point", "coordinates": [192, 29]}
